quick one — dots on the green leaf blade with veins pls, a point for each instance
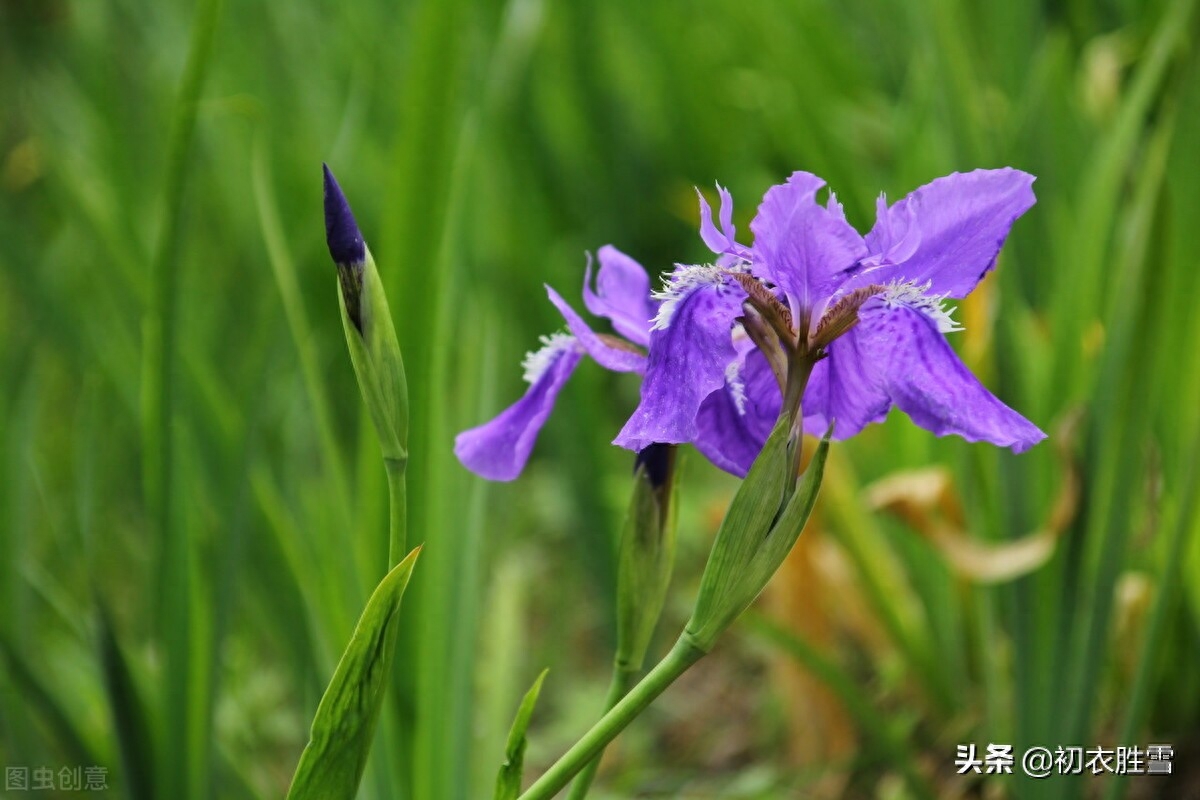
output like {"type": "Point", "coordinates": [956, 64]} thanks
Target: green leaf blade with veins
{"type": "Point", "coordinates": [332, 763]}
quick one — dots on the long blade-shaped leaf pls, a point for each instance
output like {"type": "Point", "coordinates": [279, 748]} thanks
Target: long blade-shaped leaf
{"type": "Point", "coordinates": [332, 763]}
{"type": "Point", "coordinates": [45, 705]}
{"type": "Point", "coordinates": [127, 706]}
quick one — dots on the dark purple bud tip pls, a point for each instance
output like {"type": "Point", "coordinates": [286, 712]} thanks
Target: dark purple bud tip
{"type": "Point", "coordinates": [341, 231]}
{"type": "Point", "coordinates": [658, 462]}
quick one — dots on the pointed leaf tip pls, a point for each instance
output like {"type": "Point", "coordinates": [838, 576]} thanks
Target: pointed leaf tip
{"type": "Point", "coordinates": [341, 231]}
{"type": "Point", "coordinates": [508, 780]}
{"type": "Point", "coordinates": [343, 728]}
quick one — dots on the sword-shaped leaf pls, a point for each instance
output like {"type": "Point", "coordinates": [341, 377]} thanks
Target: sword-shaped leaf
{"type": "Point", "coordinates": [332, 763]}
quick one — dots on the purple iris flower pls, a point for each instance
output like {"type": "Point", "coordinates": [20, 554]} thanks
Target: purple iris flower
{"type": "Point", "coordinates": [498, 449]}
{"type": "Point", "coordinates": [853, 325]}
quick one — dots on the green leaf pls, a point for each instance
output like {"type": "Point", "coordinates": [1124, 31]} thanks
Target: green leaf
{"type": "Point", "coordinates": [332, 763]}
{"type": "Point", "coordinates": [745, 527]}
{"type": "Point", "coordinates": [31, 690]}
{"type": "Point", "coordinates": [791, 522]}
{"type": "Point", "coordinates": [755, 536]}
{"type": "Point", "coordinates": [133, 732]}
{"type": "Point", "coordinates": [508, 780]}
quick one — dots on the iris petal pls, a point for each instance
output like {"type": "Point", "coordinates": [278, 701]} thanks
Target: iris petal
{"type": "Point", "coordinates": [687, 362]}
{"type": "Point", "coordinates": [498, 450]}
{"type": "Point", "coordinates": [802, 247]}
{"type": "Point", "coordinates": [895, 237]}
{"type": "Point", "coordinates": [949, 231]}
{"type": "Point", "coordinates": [846, 388]}
{"type": "Point", "coordinates": [622, 295]}
{"type": "Point", "coordinates": [924, 377]}
{"type": "Point", "coordinates": [734, 421]}
{"type": "Point", "coordinates": [724, 240]}
{"type": "Point", "coordinates": [608, 357]}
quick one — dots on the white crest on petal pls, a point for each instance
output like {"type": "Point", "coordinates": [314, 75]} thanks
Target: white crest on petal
{"type": "Point", "coordinates": [538, 361]}
{"type": "Point", "coordinates": [682, 282]}
{"type": "Point", "coordinates": [917, 297]}
{"type": "Point", "coordinates": [736, 387]}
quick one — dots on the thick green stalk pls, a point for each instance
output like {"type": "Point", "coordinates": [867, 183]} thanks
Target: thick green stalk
{"type": "Point", "coordinates": [397, 509]}
{"type": "Point", "coordinates": [623, 679]}
{"type": "Point", "coordinates": [682, 656]}
{"type": "Point", "coordinates": [799, 371]}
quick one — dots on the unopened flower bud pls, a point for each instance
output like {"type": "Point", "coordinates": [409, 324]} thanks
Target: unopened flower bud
{"type": "Point", "coordinates": [370, 334]}
{"type": "Point", "coordinates": [345, 246]}
{"type": "Point", "coordinates": [647, 553]}
{"type": "Point", "coordinates": [341, 230]}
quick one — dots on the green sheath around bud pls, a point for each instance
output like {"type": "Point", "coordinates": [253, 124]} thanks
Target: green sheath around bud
{"type": "Point", "coordinates": [646, 554]}
{"type": "Point", "coordinates": [375, 354]}
{"type": "Point", "coordinates": [758, 531]}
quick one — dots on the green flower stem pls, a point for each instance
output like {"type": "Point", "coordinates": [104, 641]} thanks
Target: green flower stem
{"type": "Point", "coordinates": [623, 679]}
{"type": "Point", "coordinates": [397, 509]}
{"type": "Point", "coordinates": [799, 372]}
{"type": "Point", "coordinates": [682, 656]}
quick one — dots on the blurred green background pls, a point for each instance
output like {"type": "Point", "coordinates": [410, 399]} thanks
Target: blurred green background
{"type": "Point", "coordinates": [192, 509]}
